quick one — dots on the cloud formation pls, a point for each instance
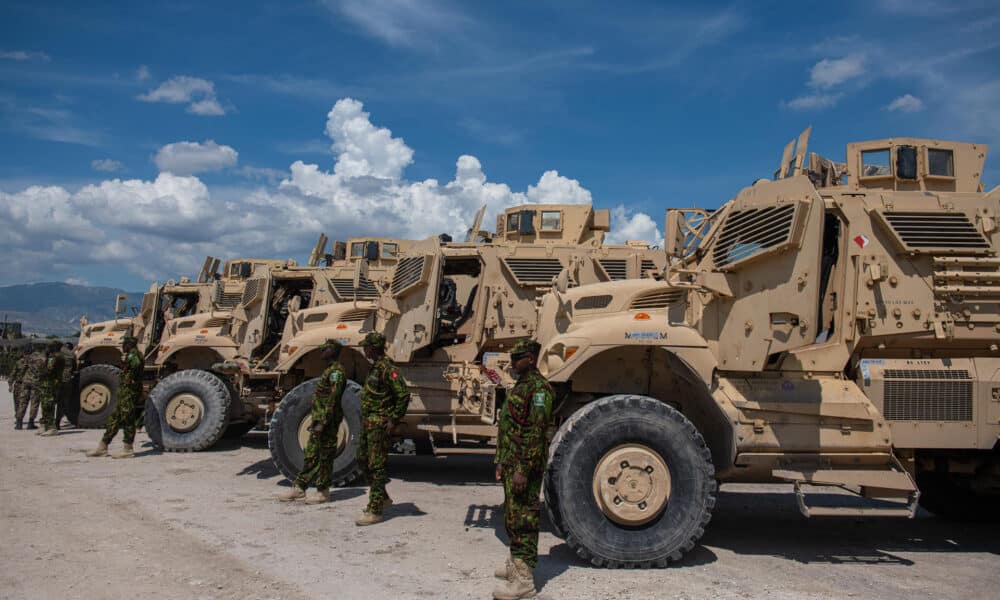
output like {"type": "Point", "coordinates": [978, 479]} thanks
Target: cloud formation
{"type": "Point", "coordinates": [188, 158]}
{"type": "Point", "coordinates": [23, 55]}
{"type": "Point", "coordinates": [829, 73]}
{"type": "Point", "coordinates": [106, 165]}
{"type": "Point", "coordinates": [906, 103]}
{"type": "Point", "coordinates": [197, 93]}
{"type": "Point", "coordinates": [164, 227]}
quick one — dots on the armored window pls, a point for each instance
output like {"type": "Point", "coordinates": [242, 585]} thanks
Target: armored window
{"type": "Point", "coordinates": [357, 249]}
{"type": "Point", "coordinates": [389, 250]}
{"type": "Point", "coordinates": [906, 162]}
{"type": "Point", "coordinates": [940, 163]}
{"type": "Point", "coordinates": [875, 163]}
{"type": "Point", "coordinates": [551, 220]}
{"type": "Point", "coordinates": [527, 225]}
{"type": "Point", "coordinates": [513, 221]}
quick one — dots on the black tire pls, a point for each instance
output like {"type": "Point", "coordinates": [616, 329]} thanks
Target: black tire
{"type": "Point", "coordinates": [102, 375]}
{"type": "Point", "coordinates": [235, 431]}
{"type": "Point", "coordinates": [947, 499]}
{"type": "Point", "coordinates": [214, 396]}
{"type": "Point", "coordinates": [283, 434]}
{"type": "Point", "coordinates": [575, 452]}
{"type": "Point", "coordinates": [151, 423]}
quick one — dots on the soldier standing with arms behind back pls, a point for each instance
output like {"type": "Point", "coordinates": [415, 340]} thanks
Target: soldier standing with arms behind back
{"type": "Point", "coordinates": [16, 386]}
{"type": "Point", "coordinates": [68, 373]}
{"type": "Point", "coordinates": [327, 414]}
{"type": "Point", "coordinates": [31, 383]}
{"type": "Point", "coordinates": [51, 387]}
{"type": "Point", "coordinates": [383, 404]}
{"type": "Point", "coordinates": [522, 450]}
{"type": "Point", "coordinates": [129, 404]}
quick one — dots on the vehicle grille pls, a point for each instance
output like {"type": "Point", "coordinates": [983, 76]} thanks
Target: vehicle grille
{"type": "Point", "coordinates": [656, 299]}
{"type": "Point", "coordinates": [593, 302]}
{"type": "Point", "coordinates": [750, 231]}
{"type": "Point", "coordinates": [251, 292]}
{"type": "Point", "coordinates": [408, 273]}
{"type": "Point", "coordinates": [946, 231]}
{"type": "Point", "coordinates": [344, 289]}
{"type": "Point", "coordinates": [227, 300]}
{"type": "Point", "coordinates": [614, 268]}
{"type": "Point", "coordinates": [533, 271]}
{"type": "Point", "coordinates": [933, 395]}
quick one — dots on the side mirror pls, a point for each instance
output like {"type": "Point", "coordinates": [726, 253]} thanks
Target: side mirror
{"type": "Point", "coordinates": [120, 301]}
{"type": "Point", "coordinates": [673, 239]}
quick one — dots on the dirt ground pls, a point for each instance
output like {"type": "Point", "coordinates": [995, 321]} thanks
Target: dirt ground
{"type": "Point", "coordinates": [206, 525]}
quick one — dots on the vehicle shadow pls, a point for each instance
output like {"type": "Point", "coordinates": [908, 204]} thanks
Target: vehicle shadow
{"type": "Point", "coordinates": [769, 523]}
{"type": "Point", "coordinates": [443, 469]}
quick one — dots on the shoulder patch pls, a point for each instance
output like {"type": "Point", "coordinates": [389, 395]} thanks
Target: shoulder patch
{"type": "Point", "coordinates": [539, 399]}
{"type": "Point", "coordinates": [394, 374]}
{"type": "Point", "coordinates": [335, 377]}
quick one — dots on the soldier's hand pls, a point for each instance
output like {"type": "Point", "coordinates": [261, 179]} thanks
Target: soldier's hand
{"type": "Point", "coordinates": [519, 482]}
{"type": "Point", "coordinates": [499, 473]}
{"type": "Point", "coordinates": [389, 425]}
{"type": "Point", "coordinates": [317, 427]}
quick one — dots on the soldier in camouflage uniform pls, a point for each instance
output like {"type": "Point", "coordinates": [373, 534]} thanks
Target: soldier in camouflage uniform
{"type": "Point", "coordinates": [522, 449]}
{"type": "Point", "coordinates": [67, 388]}
{"type": "Point", "coordinates": [51, 387]}
{"type": "Point", "coordinates": [383, 403]}
{"type": "Point", "coordinates": [130, 403]}
{"type": "Point", "coordinates": [327, 414]}
{"type": "Point", "coordinates": [16, 386]}
{"type": "Point", "coordinates": [31, 382]}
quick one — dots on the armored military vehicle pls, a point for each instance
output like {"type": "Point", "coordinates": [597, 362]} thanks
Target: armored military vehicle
{"type": "Point", "coordinates": [227, 369]}
{"type": "Point", "coordinates": [836, 326]}
{"type": "Point", "coordinates": [451, 311]}
{"type": "Point", "coordinates": [99, 348]}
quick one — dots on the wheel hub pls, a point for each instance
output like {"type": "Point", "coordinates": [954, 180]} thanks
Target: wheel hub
{"type": "Point", "coordinates": [632, 484]}
{"type": "Point", "coordinates": [94, 398]}
{"type": "Point", "coordinates": [343, 434]}
{"type": "Point", "coordinates": [184, 412]}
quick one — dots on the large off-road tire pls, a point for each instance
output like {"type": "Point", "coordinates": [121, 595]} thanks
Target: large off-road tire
{"type": "Point", "coordinates": [188, 410]}
{"type": "Point", "coordinates": [288, 432]}
{"type": "Point", "coordinates": [946, 498]}
{"type": "Point", "coordinates": [95, 397]}
{"type": "Point", "coordinates": [630, 483]}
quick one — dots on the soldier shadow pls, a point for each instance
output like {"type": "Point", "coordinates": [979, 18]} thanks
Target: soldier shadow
{"type": "Point", "coordinates": [403, 509]}
{"type": "Point", "coordinates": [262, 469]}
{"type": "Point", "coordinates": [770, 524]}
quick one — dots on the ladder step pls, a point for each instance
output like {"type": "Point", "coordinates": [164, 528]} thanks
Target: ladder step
{"type": "Point", "coordinates": [880, 482]}
{"type": "Point", "coordinates": [849, 511]}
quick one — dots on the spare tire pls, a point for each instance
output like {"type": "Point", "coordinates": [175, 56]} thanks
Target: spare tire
{"type": "Point", "coordinates": [630, 483]}
{"type": "Point", "coordinates": [191, 410]}
{"type": "Point", "coordinates": [288, 432]}
{"type": "Point", "coordinates": [95, 398]}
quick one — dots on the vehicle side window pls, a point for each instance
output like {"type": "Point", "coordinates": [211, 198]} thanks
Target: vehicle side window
{"type": "Point", "coordinates": [875, 163]}
{"type": "Point", "coordinates": [941, 163]}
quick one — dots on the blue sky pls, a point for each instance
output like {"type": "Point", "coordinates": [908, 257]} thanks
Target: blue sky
{"type": "Point", "coordinates": [137, 137]}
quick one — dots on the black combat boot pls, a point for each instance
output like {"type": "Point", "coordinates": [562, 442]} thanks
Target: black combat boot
{"type": "Point", "coordinates": [31, 424]}
{"type": "Point", "coordinates": [18, 425]}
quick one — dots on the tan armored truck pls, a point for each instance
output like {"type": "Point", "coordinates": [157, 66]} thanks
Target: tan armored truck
{"type": "Point", "coordinates": [451, 312]}
{"type": "Point", "coordinates": [99, 348]}
{"type": "Point", "coordinates": [227, 369]}
{"type": "Point", "coordinates": [836, 326]}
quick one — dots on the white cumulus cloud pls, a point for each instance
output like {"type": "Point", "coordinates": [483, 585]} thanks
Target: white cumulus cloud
{"type": "Point", "coordinates": [812, 101]}
{"type": "Point", "coordinates": [906, 103]}
{"type": "Point", "coordinates": [630, 225]}
{"type": "Point", "coordinates": [23, 55]}
{"type": "Point", "coordinates": [829, 73]}
{"type": "Point", "coordinates": [197, 93]}
{"type": "Point", "coordinates": [187, 158]}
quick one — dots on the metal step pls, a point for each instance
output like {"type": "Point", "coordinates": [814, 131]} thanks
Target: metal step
{"type": "Point", "coordinates": [889, 483]}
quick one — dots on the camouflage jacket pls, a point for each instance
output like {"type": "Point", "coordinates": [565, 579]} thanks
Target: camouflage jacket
{"type": "Point", "coordinates": [326, 408]}
{"type": "Point", "coordinates": [522, 440]}
{"type": "Point", "coordinates": [69, 365]}
{"type": "Point", "coordinates": [386, 394]}
{"type": "Point", "coordinates": [130, 376]}
{"type": "Point", "coordinates": [20, 368]}
{"type": "Point", "coordinates": [54, 366]}
{"type": "Point", "coordinates": [34, 372]}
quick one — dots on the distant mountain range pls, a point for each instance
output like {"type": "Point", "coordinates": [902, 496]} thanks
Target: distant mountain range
{"type": "Point", "coordinates": [56, 308]}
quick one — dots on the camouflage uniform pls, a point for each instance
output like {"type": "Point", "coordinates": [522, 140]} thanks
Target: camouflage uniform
{"type": "Point", "coordinates": [67, 388]}
{"type": "Point", "coordinates": [383, 403]}
{"type": "Point", "coordinates": [130, 406]}
{"type": "Point", "coordinates": [51, 387]}
{"type": "Point", "coordinates": [522, 447]}
{"type": "Point", "coordinates": [31, 382]}
{"type": "Point", "coordinates": [16, 386]}
{"type": "Point", "coordinates": [322, 446]}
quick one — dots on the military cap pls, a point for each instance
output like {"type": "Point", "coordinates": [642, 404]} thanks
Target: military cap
{"type": "Point", "coordinates": [525, 346]}
{"type": "Point", "coordinates": [331, 345]}
{"type": "Point", "coordinates": [374, 339]}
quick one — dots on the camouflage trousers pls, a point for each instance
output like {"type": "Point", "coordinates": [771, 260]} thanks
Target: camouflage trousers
{"type": "Point", "coordinates": [29, 397]}
{"type": "Point", "coordinates": [50, 393]}
{"type": "Point", "coordinates": [125, 417]}
{"type": "Point", "coordinates": [373, 453]}
{"type": "Point", "coordinates": [318, 467]}
{"type": "Point", "coordinates": [520, 517]}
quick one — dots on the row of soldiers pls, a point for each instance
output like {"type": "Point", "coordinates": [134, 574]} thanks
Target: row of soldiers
{"type": "Point", "coordinates": [39, 377]}
{"type": "Point", "coordinates": [522, 439]}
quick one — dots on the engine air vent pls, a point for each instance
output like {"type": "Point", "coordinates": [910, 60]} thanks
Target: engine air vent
{"type": "Point", "coordinates": [944, 232]}
{"type": "Point", "coordinates": [216, 322]}
{"type": "Point", "coordinates": [227, 300]}
{"type": "Point", "coordinates": [593, 302]}
{"type": "Point", "coordinates": [354, 315]}
{"type": "Point", "coordinates": [533, 271]}
{"type": "Point", "coordinates": [752, 231]}
{"type": "Point", "coordinates": [409, 272]}
{"type": "Point", "coordinates": [251, 292]}
{"type": "Point", "coordinates": [656, 299]}
{"type": "Point", "coordinates": [615, 269]}
{"type": "Point", "coordinates": [122, 327]}
{"type": "Point", "coordinates": [931, 395]}
{"type": "Point", "coordinates": [344, 289]}
{"type": "Point", "coordinates": [648, 265]}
